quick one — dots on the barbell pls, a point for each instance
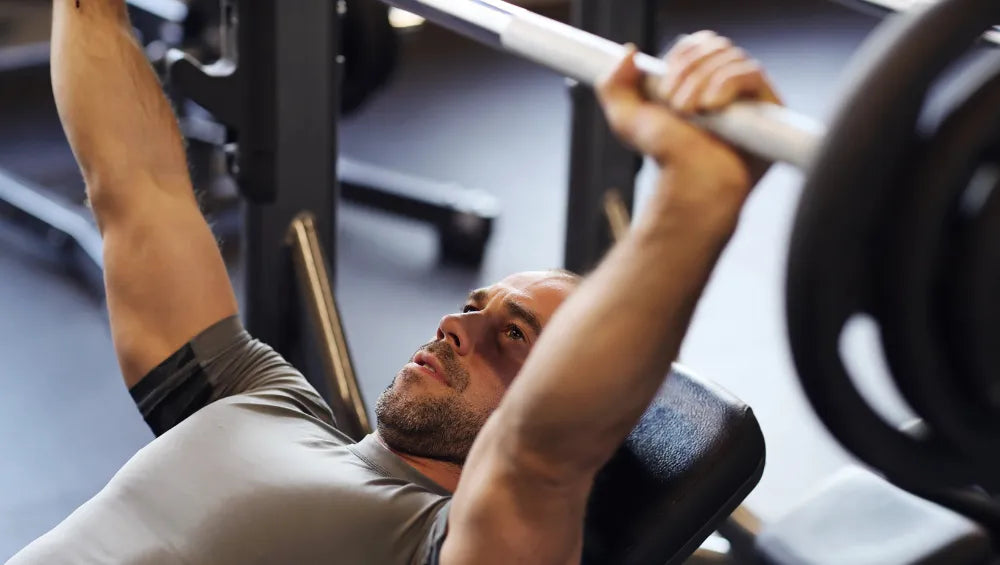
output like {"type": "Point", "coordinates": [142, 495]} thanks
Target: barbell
{"type": "Point", "coordinates": [899, 219]}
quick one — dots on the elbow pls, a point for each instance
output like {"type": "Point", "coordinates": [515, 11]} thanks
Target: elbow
{"type": "Point", "coordinates": [130, 195]}
{"type": "Point", "coordinates": [102, 205]}
{"type": "Point", "coordinates": [108, 201]}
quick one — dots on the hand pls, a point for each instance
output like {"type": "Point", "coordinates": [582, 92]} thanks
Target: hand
{"type": "Point", "coordinates": [706, 72]}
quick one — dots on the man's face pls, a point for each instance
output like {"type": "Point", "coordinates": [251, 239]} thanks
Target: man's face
{"type": "Point", "coordinates": [440, 400]}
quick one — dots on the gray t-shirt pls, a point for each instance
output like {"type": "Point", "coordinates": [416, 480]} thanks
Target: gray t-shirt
{"type": "Point", "coordinates": [249, 467]}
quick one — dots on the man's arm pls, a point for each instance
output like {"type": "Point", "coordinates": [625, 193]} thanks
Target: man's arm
{"type": "Point", "coordinates": [603, 356]}
{"type": "Point", "coordinates": [165, 277]}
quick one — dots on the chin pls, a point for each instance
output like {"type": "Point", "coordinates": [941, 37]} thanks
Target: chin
{"type": "Point", "coordinates": [414, 419]}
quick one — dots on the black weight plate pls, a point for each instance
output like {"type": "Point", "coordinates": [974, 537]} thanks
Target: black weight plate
{"type": "Point", "coordinates": [848, 190]}
{"type": "Point", "coordinates": [917, 271]}
{"type": "Point", "coordinates": [973, 307]}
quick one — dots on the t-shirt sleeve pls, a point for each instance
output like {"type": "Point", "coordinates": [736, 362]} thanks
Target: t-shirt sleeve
{"type": "Point", "coordinates": [222, 361]}
{"type": "Point", "coordinates": [430, 550]}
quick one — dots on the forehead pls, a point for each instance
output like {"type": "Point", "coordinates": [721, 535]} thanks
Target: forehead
{"type": "Point", "coordinates": [542, 291]}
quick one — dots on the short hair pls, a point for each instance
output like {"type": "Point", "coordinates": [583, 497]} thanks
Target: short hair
{"type": "Point", "coordinates": [567, 275]}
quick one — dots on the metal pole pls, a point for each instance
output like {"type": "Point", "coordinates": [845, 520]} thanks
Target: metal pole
{"type": "Point", "coordinates": [599, 162]}
{"type": "Point", "coordinates": [292, 81]}
{"type": "Point", "coordinates": [314, 282]}
{"type": "Point", "coordinates": [276, 89]}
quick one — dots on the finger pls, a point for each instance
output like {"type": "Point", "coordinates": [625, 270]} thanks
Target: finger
{"type": "Point", "coordinates": [621, 86]}
{"type": "Point", "coordinates": [646, 126]}
{"type": "Point", "coordinates": [743, 80]}
{"type": "Point", "coordinates": [619, 94]}
{"type": "Point", "coordinates": [686, 42]}
{"type": "Point", "coordinates": [688, 96]}
{"type": "Point", "coordinates": [683, 46]}
{"type": "Point", "coordinates": [681, 64]}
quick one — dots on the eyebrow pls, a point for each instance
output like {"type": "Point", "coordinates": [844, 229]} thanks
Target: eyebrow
{"type": "Point", "coordinates": [516, 310]}
{"type": "Point", "coordinates": [527, 316]}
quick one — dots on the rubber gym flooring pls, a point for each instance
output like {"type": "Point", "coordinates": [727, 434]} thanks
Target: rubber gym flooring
{"type": "Point", "coordinates": [456, 112]}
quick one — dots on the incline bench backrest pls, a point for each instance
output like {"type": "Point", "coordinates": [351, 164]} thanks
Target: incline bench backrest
{"type": "Point", "coordinates": [695, 455]}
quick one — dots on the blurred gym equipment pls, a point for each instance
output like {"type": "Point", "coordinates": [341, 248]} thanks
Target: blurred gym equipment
{"type": "Point", "coordinates": [368, 50]}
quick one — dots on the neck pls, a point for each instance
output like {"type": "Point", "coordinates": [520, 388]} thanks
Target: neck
{"type": "Point", "coordinates": [443, 473]}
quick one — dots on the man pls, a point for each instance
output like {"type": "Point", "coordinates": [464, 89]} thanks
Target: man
{"type": "Point", "coordinates": [249, 466]}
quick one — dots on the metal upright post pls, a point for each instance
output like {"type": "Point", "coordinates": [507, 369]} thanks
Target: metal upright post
{"type": "Point", "coordinates": [304, 90]}
{"type": "Point", "coordinates": [598, 162]}
{"type": "Point", "coordinates": [276, 88]}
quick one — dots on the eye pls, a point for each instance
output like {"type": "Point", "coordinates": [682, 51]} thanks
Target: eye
{"type": "Point", "coordinates": [514, 332]}
{"type": "Point", "coordinates": [469, 308]}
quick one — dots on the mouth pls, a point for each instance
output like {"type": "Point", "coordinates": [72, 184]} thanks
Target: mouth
{"type": "Point", "coordinates": [430, 365]}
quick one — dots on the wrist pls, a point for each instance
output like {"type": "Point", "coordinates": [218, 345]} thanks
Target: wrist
{"type": "Point", "coordinates": [703, 206]}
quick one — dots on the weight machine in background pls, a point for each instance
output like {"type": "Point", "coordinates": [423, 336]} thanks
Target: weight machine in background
{"type": "Point", "coordinates": [367, 51]}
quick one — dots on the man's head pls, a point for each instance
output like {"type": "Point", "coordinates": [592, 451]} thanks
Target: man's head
{"type": "Point", "coordinates": [439, 401]}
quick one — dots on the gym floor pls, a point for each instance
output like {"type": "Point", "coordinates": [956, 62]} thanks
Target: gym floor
{"type": "Point", "coordinates": [457, 112]}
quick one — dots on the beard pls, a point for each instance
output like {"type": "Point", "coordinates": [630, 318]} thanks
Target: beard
{"type": "Point", "coordinates": [435, 427]}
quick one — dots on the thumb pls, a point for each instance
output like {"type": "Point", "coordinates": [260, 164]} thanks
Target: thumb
{"type": "Point", "coordinates": [624, 80]}
{"type": "Point", "coordinates": [619, 93]}
{"type": "Point", "coordinates": [648, 127]}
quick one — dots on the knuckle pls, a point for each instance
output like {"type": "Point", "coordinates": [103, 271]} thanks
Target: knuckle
{"type": "Point", "coordinates": [743, 74]}
{"type": "Point", "coordinates": [688, 42]}
{"type": "Point", "coordinates": [722, 42]}
{"type": "Point", "coordinates": [753, 67]}
{"type": "Point", "coordinates": [738, 53]}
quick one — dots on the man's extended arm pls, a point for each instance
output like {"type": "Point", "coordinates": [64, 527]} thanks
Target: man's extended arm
{"type": "Point", "coordinates": [604, 354]}
{"type": "Point", "coordinates": [165, 278]}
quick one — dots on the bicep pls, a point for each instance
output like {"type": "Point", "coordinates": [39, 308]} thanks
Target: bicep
{"type": "Point", "coordinates": [165, 279]}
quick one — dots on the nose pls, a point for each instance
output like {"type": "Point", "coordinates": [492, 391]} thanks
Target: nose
{"type": "Point", "coordinates": [456, 330]}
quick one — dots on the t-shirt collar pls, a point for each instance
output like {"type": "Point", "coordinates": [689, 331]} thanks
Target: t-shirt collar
{"type": "Point", "coordinates": [371, 448]}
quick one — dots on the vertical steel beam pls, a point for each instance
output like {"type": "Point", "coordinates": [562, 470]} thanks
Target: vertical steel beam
{"type": "Point", "coordinates": [303, 87]}
{"type": "Point", "coordinates": [598, 162]}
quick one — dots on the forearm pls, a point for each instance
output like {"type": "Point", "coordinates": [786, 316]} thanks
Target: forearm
{"type": "Point", "coordinates": [165, 279]}
{"type": "Point", "coordinates": [118, 121]}
{"type": "Point", "coordinates": [605, 353]}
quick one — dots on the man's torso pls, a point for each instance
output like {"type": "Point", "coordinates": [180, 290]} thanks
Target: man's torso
{"type": "Point", "coordinates": [257, 476]}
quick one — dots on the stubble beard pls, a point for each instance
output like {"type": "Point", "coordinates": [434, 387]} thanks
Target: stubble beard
{"type": "Point", "coordinates": [435, 427]}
